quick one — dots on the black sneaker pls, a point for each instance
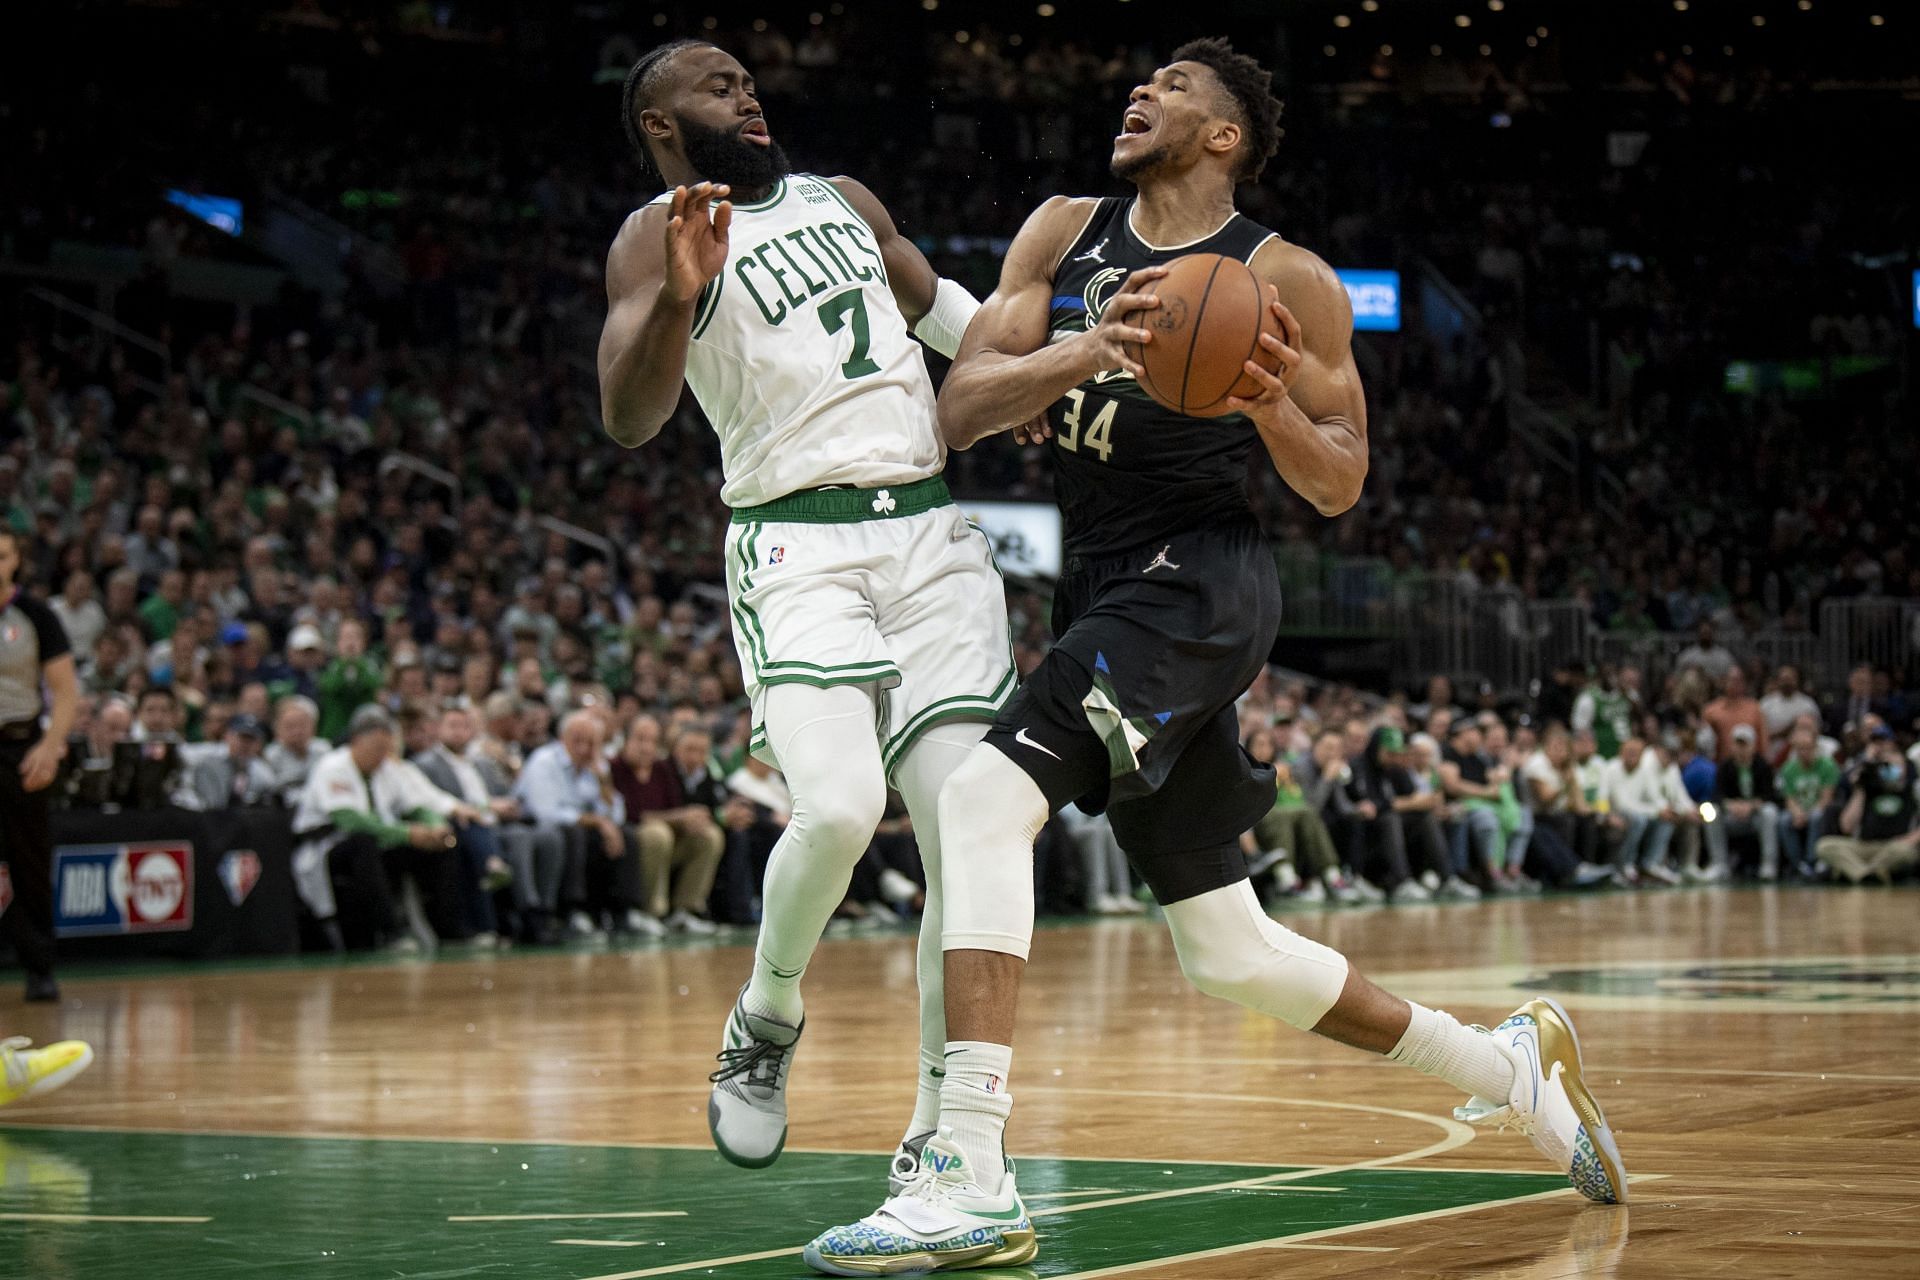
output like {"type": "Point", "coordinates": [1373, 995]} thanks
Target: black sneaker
{"type": "Point", "coordinates": [42, 989]}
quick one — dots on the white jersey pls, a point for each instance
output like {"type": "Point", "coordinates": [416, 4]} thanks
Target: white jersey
{"type": "Point", "coordinates": [801, 357]}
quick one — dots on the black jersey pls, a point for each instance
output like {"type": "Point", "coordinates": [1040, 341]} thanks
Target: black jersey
{"type": "Point", "coordinates": [1128, 472]}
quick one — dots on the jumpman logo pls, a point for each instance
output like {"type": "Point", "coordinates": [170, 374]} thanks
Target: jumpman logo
{"type": "Point", "coordinates": [1160, 561]}
{"type": "Point", "coordinates": [1094, 254]}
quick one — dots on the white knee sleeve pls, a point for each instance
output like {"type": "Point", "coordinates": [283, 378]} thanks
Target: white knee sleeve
{"type": "Point", "coordinates": [1230, 948]}
{"type": "Point", "coordinates": [990, 814]}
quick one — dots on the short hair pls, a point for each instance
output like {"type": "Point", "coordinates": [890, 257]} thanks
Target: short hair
{"type": "Point", "coordinates": [643, 85]}
{"type": "Point", "coordinates": [369, 718]}
{"type": "Point", "coordinates": [297, 702]}
{"type": "Point", "coordinates": [1251, 87]}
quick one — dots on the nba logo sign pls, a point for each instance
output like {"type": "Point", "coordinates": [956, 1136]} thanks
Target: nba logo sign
{"type": "Point", "coordinates": [239, 872]}
{"type": "Point", "coordinates": [775, 555]}
{"type": "Point", "coordinates": [122, 888]}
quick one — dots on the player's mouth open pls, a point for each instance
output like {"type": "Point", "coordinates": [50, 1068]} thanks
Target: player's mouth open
{"type": "Point", "coordinates": [1134, 123]}
{"type": "Point", "coordinates": [755, 131]}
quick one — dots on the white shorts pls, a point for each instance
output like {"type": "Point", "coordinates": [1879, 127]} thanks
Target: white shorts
{"type": "Point", "coordinates": [909, 603]}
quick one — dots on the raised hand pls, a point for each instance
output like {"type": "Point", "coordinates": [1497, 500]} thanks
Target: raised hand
{"type": "Point", "coordinates": [696, 238]}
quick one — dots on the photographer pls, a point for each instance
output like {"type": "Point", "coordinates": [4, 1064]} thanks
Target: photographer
{"type": "Point", "coordinates": [1878, 818]}
{"type": "Point", "coordinates": [33, 649]}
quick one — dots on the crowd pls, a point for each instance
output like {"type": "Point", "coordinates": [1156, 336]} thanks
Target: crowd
{"type": "Point", "coordinates": [326, 534]}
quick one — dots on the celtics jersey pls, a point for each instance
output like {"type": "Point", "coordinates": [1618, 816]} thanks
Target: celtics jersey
{"type": "Point", "coordinates": [1128, 472]}
{"type": "Point", "coordinates": [801, 358]}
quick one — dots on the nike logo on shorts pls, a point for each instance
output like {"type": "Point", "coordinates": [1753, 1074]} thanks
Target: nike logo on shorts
{"type": "Point", "coordinates": [1025, 739]}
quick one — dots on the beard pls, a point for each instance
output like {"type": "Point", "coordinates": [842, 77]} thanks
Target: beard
{"type": "Point", "coordinates": [719, 155]}
{"type": "Point", "coordinates": [1146, 162]}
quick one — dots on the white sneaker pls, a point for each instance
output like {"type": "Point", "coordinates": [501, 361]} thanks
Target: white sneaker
{"type": "Point", "coordinates": [642, 925]}
{"type": "Point", "coordinates": [581, 925]}
{"type": "Point", "coordinates": [747, 1110]}
{"type": "Point", "coordinates": [1343, 890]}
{"type": "Point", "coordinates": [898, 890]}
{"type": "Point", "coordinates": [906, 1161]}
{"type": "Point", "coordinates": [881, 913]}
{"type": "Point", "coordinates": [1285, 877]}
{"type": "Point", "coordinates": [1368, 890]}
{"type": "Point", "coordinates": [1312, 892]}
{"type": "Point", "coordinates": [941, 1221]}
{"type": "Point", "coordinates": [1430, 879]}
{"type": "Point", "coordinates": [1458, 889]}
{"type": "Point", "coordinates": [1550, 1103]}
{"type": "Point", "coordinates": [687, 922]}
{"type": "Point", "coordinates": [1660, 871]}
{"type": "Point", "coordinates": [1409, 891]}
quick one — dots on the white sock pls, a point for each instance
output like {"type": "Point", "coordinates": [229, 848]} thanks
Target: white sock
{"type": "Point", "coordinates": [975, 1104]}
{"type": "Point", "coordinates": [926, 1100]}
{"type": "Point", "coordinates": [1437, 1045]}
{"type": "Point", "coordinates": [774, 992]}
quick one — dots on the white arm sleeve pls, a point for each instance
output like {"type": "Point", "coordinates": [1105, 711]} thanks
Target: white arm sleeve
{"type": "Point", "coordinates": [946, 323]}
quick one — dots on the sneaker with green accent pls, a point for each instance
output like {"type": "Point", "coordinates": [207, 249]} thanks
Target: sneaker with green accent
{"type": "Point", "coordinates": [747, 1110]}
{"type": "Point", "coordinates": [1550, 1102]}
{"type": "Point", "coordinates": [906, 1161]}
{"type": "Point", "coordinates": [942, 1221]}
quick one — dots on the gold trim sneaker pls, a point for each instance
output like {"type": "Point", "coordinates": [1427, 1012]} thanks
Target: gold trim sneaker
{"type": "Point", "coordinates": [942, 1221]}
{"type": "Point", "coordinates": [27, 1073]}
{"type": "Point", "coordinates": [1550, 1102]}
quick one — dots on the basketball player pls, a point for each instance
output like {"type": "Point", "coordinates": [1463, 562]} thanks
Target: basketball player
{"type": "Point", "coordinates": [1165, 614]}
{"type": "Point", "coordinates": [870, 621]}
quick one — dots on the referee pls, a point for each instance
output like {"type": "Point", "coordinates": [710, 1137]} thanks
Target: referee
{"type": "Point", "coordinates": [33, 648]}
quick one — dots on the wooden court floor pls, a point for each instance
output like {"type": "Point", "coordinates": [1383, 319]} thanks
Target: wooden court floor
{"type": "Point", "coordinates": [543, 1114]}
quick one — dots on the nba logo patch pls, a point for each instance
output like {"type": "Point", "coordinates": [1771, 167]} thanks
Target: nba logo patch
{"type": "Point", "coordinates": [10, 633]}
{"type": "Point", "coordinates": [775, 555]}
{"type": "Point", "coordinates": [6, 887]}
{"type": "Point", "coordinates": [239, 872]}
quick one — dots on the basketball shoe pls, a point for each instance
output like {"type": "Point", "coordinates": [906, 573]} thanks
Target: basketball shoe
{"type": "Point", "coordinates": [747, 1110]}
{"type": "Point", "coordinates": [27, 1073]}
{"type": "Point", "coordinates": [906, 1161]}
{"type": "Point", "coordinates": [941, 1221]}
{"type": "Point", "coordinates": [1550, 1103]}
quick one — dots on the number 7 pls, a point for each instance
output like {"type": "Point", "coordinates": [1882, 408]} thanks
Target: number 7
{"type": "Point", "coordinates": [833, 318]}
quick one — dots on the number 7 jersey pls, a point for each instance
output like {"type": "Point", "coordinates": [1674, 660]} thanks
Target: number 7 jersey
{"type": "Point", "coordinates": [801, 358]}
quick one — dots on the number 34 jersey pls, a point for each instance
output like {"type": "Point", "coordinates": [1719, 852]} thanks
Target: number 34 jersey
{"type": "Point", "coordinates": [801, 358]}
{"type": "Point", "coordinates": [1128, 472]}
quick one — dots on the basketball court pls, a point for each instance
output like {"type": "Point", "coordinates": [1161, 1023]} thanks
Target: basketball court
{"type": "Point", "coordinates": [543, 1114]}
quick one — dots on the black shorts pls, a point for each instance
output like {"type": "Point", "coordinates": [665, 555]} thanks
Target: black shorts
{"type": "Point", "coordinates": [1132, 711]}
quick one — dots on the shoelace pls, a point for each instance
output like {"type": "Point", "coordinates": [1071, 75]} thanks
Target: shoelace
{"type": "Point", "coordinates": [928, 1187]}
{"type": "Point", "coordinates": [16, 1062]}
{"type": "Point", "coordinates": [759, 1061]}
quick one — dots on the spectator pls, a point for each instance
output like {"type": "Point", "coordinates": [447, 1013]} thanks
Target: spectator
{"type": "Point", "coordinates": [295, 748]}
{"type": "Point", "coordinates": [1472, 782]}
{"type": "Point", "coordinates": [1807, 781]}
{"type": "Point", "coordinates": [1878, 836]}
{"type": "Point", "coordinates": [79, 612]}
{"type": "Point", "coordinates": [1850, 714]}
{"type": "Point", "coordinates": [484, 869]}
{"type": "Point", "coordinates": [1745, 807]}
{"type": "Point", "coordinates": [1784, 704]}
{"type": "Point", "coordinates": [1602, 708]}
{"type": "Point", "coordinates": [157, 718]}
{"type": "Point", "coordinates": [757, 783]}
{"type": "Point", "coordinates": [306, 658]}
{"type": "Point", "coordinates": [536, 856]}
{"type": "Point", "coordinates": [1707, 655]}
{"type": "Point", "coordinates": [1733, 708]}
{"type": "Point", "coordinates": [566, 784]}
{"type": "Point", "coordinates": [1636, 802]}
{"type": "Point", "coordinates": [369, 841]}
{"type": "Point", "coordinates": [351, 680]}
{"type": "Point", "coordinates": [1420, 804]}
{"type": "Point", "coordinates": [696, 851]}
{"type": "Point", "coordinates": [1326, 780]}
{"type": "Point", "coordinates": [1292, 835]}
{"type": "Point", "coordinates": [237, 777]}
{"type": "Point", "coordinates": [1555, 793]}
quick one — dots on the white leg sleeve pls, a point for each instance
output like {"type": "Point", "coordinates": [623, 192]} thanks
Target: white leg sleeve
{"type": "Point", "coordinates": [1230, 948]}
{"type": "Point", "coordinates": [831, 758]}
{"type": "Point", "coordinates": [990, 814]}
{"type": "Point", "coordinates": [920, 775]}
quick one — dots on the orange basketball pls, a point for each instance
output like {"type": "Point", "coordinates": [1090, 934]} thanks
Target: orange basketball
{"type": "Point", "coordinates": [1208, 324]}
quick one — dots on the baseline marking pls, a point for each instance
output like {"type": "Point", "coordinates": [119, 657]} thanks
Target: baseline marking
{"type": "Point", "coordinates": [564, 1217]}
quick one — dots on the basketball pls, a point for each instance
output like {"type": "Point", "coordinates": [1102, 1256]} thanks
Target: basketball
{"type": "Point", "coordinates": [1208, 325]}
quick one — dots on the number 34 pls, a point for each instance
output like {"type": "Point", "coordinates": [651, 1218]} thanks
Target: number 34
{"type": "Point", "coordinates": [1098, 431]}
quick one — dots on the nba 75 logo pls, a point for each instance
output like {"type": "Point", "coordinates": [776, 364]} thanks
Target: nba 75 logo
{"type": "Point", "coordinates": [239, 872]}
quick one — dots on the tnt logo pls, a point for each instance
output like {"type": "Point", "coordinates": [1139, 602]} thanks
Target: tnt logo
{"type": "Point", "coordinates": [122, 888]}
{"type": "Point", "coordinates": [239, 872]}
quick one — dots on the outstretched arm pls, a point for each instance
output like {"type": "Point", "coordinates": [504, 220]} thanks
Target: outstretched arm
{"type": "Point", "coordinates": [1312, 416]}
{"type": "Point", "coordinates": [1006, 372]}
{"type": "Point", "coordinates": [658, 265]}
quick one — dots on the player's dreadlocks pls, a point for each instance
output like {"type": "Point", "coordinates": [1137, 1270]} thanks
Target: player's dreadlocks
{"type": "Point", "coordinates": [643, 85]}
{"type": "Point", "coordinates": [1250, 86]}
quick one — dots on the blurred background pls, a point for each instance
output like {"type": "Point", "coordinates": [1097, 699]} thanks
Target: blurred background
{"type": "Point", "coordinates": [299, 308]}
